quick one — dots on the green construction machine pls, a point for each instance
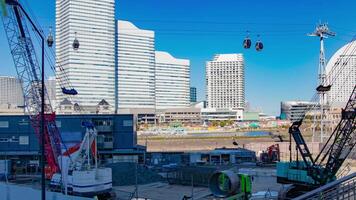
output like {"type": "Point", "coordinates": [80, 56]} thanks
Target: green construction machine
{"type": "Point", "coordinates": [312, 172]}
{"type": "Point", "coordinates": [230, 185]}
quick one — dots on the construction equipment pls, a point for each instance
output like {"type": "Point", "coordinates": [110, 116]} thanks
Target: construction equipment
{"type": "Point", "coordinates": [70, 169]}
{"type": "Point", "coordinates": [77, 175]}
{"type": "Point", "coordinates": [270, 156]}
{"type": "Point", "coordinates": [312, 173]}
{"type": "Point", "coordinates": [230, 185]}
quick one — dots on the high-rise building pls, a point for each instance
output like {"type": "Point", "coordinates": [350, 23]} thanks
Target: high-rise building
{"type": "Point", "coordinates": [51, 89]}
{"type": "Point", "coordinates": [193, 94]}
{"type": "Point", "coordinates": [91, 68]}
{"type": "Point", "coordinates": [11, 91]}
{"type": "Point", "coordinates": [341, 73]}
{"type": "Point", "coordinates": [295, 110]}
{"type": "Point", "coordinates": [225, 82]}
{"type": "Point", "coordinates": [172, 80]}
{"type": "Point", "coordinates": [135, 67]}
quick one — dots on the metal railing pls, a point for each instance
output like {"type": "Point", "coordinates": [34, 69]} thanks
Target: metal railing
{"type": "Point", "coordinates": [344, 188]}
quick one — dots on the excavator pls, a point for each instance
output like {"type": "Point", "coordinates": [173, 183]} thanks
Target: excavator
{"type": "Point", "coordinates": [71, 170]}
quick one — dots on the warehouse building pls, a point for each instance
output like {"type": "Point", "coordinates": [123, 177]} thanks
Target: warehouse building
{"type": "Point", "coordinates": [116, 137]}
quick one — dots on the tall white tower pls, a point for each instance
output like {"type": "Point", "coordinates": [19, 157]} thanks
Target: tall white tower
{"type": "Point", "coordinates": [135, 67]}
{"type": "Point", "coordinates": [225, 79]}
{"type": "Point", "coordinates": [322, 31]}
{"type": "Point", "coordinates": [172, 81]}
{"type": "Point", "coordinates": [91, 68]}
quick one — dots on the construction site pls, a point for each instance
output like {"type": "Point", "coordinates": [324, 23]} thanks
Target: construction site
{"type": "Point", "coordinates": [99, 156]}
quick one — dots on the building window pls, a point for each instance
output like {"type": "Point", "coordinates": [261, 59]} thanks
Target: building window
{"type": "Point", "coordinates": [127, 123]}
{"type": "Point", "coordinates": [58, 124]}
{"type": "Point", "coordinates": [4, 139]}
{"type": "Point", "coordinates": [23, 140]}
{"type": "Point", "coordinates": [4, 124]}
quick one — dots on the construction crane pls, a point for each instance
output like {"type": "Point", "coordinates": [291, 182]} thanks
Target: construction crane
{"type": "Point", "coordinates": [70, 169]}
{"type": "Point", "coordinates": [312, 173]}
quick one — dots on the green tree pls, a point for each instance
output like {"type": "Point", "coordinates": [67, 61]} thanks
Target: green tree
{"type": "Point", "coordinates": [222, 123]}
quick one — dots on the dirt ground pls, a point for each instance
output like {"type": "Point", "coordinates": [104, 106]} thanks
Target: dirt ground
{"type": "Point", "coordinates": [196, 144]}
{"type": "Point", "coordinates": [165, 191]}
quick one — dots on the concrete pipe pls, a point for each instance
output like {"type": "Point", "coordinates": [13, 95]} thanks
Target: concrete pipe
{"type": "Point", "coordinates": [224, 183]}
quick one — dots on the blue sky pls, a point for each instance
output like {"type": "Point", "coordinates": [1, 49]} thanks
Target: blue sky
{"type": "Point", "coordinates": [197, 29]}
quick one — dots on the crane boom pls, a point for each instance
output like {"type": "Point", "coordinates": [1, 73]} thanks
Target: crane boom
{"type": "Point", "coordinates": [28, 71]}
{"type": "Point", "coordinates": [343, 140]}
{"type": "Point", "coordinates": [66, 170]}
{"type": "Point", "coordinates": [335, 150]}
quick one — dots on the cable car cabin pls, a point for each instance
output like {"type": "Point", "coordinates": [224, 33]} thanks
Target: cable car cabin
{"type": "Point", "coordinates": [75, 44]}
{"type": "Point", "coordinates": [50, 41]}
{"type": "Point", "coordinates": [322, 88]}
{"type": "Point", "coordinates": [69, 91]}
{"type": "Point", "coordinates": [259, 46]}
{"type": "Point", "coordinates": [247, 43]}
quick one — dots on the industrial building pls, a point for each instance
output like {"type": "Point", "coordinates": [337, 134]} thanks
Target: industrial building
{"type": "Point", "coordinates": [219, 156]}
{"type": "Point", "coordinates": [294, 110]}
{"type": "Point", "coordinates": [187, 116]}
{"type": "Point", "coordinates": [213, 114]}
{"type": "Point", "coordinates": [116, 137]}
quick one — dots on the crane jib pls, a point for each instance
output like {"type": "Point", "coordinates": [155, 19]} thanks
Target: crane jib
{"type": "Point", "coordinates": [337, 148]}
{"type": "Point", "coordinates": [28, 71]}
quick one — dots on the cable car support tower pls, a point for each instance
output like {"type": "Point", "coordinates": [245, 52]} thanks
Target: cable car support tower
{"type": "Point", "coordinates": [322, 31]}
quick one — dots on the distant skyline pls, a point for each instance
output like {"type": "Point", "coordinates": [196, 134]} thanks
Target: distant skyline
{"type": "Point", "coordinates": [196, 30]}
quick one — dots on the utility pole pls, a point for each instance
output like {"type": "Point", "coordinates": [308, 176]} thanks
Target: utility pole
{"type": "Point", "coordinates": [322, 31]}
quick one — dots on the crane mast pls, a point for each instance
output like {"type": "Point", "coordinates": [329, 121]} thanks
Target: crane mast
{"type": "Point", "coordinates": [71, 169]}
{"type": "Point", "coordinates": [337, 148]}
{"type": "Point", "coordinates": [28, 71]}
{"type": "Point", "coordinates": [342, 141]}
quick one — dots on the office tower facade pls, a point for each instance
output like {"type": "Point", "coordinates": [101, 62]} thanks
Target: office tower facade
{"type": "Point", "coordinates": [135, 67]}
{"type": "Point", "coordinates": [341, 73]}
{"type": "Point", "coordinates": [11, 91]}
{"type": "Point", "coordinates": [172, 80]}
{"type": "Point", "coordinates": [91, 68]}
{"type": "Point", "coordinates": [225, 82]}
{"type": "Point", "coordinates": [295, 110]}
{"type": "Point", "coordinates": [51, 89]}
{"type": "Point", "coordinates": [193, 94]}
